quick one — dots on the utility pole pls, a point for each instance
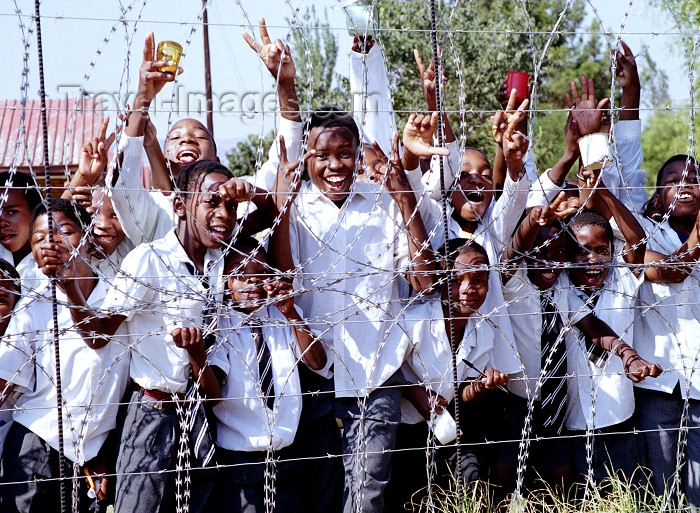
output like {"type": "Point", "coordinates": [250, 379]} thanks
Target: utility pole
{"type": "Point", "coordinates": [207, 70]}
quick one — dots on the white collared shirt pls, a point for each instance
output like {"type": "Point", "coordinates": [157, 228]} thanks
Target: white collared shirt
{"type": "Point", "coordinates": [93, 380]}
{"type": "Point", "coordinates": [156, 293]}
{"type": "Point", "coordinates": [430, 361]}
{"type": "Point", "coordinates": [144, 215]}
{"type": "Point", "coordinates": [613, 391]}
{"type": "Point", "coordinates": [667, 327]}
{"type": "Point", "coordinates": [244, 422]}
{"type": "Point", "coordinates": [494, 233]}
{"type": "Point", "coordinates": [525, 309]}
{"type": "Point", "coordinates": [348, 261]}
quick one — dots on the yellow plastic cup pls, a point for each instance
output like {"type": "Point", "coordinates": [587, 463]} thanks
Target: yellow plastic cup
{"type": "Point", "coordinates": [169, 51]}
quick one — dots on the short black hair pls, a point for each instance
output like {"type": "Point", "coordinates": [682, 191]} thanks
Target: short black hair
{"type": "Point", "coordinates": [243, 245]}
{"type": "Point", "coordinates": [70, 209]}
{"type": "Point", "coordinates": [204, 127]}
{"type": "Point", "coordinates": [8, 272]}
{"type": "Point", "coordinates": [587, 217]}
{"type": "Point", "coordinates": [453, 248]}
{"type": "Point", "coordinates": [472, 148]}
{"type": "Point", "coordinates": [681, 157]}
{"type": "Point", "coordinates": [193, 174]}
{"type": "Point", "coordinates": [24, 182]}
{"type": "Point", "coordinates": [330, 116]}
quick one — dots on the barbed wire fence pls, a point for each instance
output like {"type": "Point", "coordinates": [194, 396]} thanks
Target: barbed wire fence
{"type": "Point", "coordinates": [398, 314]}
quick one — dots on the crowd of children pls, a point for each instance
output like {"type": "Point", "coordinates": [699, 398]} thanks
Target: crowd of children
{"type": "Point", "coordinates": [290, 342]}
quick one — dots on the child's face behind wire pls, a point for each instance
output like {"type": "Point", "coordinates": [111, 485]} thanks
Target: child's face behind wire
{"type": "Point", "coordinates": [66, 233]}
{"type": "Point", "coordinates": [591, 258]}
{"type": "Point", "coordinates": [473, 192]}
{"type": "Point", "coordinates": [8, 298]}
{"type": "Point", "coordinates": [106, 229]}
{"type": "Point", "coordinates": [209, 219]}
{"type": "Point", "coordinates": [332, 166]}
{"type": "Point", "coordinates": [189, 141]}
{"type": "Point", "coordinates": [544, 267]}
{"type": "Point", "coordinates": [470, 283]}
{"type": "Point", "coordinates": [14, 221]}
{"type": "Point", "coordinates": [246, 282]}
{"type": "Point", "coordinates": [688, 191]}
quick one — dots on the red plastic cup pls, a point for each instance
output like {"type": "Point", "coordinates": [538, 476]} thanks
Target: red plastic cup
{"type": "Point", "coordinates": [517, 80]}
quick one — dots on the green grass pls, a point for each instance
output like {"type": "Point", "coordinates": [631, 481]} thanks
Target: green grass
{"type": "Point", "coordinates": [613, 496]}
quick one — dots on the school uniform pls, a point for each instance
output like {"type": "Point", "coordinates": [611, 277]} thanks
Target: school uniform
{"type": "Point", "coordinates": [667, 332]}
{"type": "Point", "coordinates": [156, 290]}
{"type": "Point", "coordinates": [246, 426]}
{"type": "Point", "coordinates": [494, 233]}
{"type": "Point", "coordinates": [600, 396]}
{"type": "Point", "coordinates": [525, 307]}
{"type": "Point", "coordinates": [93, 382]}
{"type": "Point", "coordinates": [347, 261]}
{"type": "Point", "coordinates": [33, 281]}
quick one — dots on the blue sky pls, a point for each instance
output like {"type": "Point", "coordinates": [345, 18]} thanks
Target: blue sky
{"type": "Point", "coordinates": [73, 31]}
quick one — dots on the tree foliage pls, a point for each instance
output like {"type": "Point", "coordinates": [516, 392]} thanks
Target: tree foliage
{"type": "Point", "coordinates": [243, 157]}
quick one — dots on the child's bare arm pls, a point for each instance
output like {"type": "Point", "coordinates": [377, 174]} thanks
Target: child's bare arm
{"type": "Point", "coordinates": [151, 81]}
{"type": "Point", "coordinates": [514, 143]}
{"type": "Point", "coordinates": [491, 380]}
{"type": "Point", "coordinates": [676, 267]}
{"type": "Point", "coordinates": [526, 233]}
{"type": "Point", "coordinates": [160, 174]}
{"type": "Point", "coordinates": [627, 76]}
{"type": "Point", "coordinates": [91, 166]}
{"type": "Point", "coordinates": [422, 270]}
{"type": "Point", "coordinates": [598, 332]}
{"type": "Point", "coordinates": [428, 79]}
{"type": "Point", "coordinates": [191, 340]}
{"type": "Point", "coordinates": [312, 352]}
{"type": "Point", "coordinates": [278, 60]}
{"type": "Point", "coordinates": [607, 204]}
{"type": "Point", "coordinates": [499, 161]}
{"type": "Point", "coordinates": [558, 172]}
{"type": "Point", "coordinates": [425, 400]}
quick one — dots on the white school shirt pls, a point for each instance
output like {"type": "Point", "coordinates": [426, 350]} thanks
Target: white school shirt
{"type": "Point", "coordinates": [156, 293]}
{"type": "Point", "coordinates": [144, 215]}
{"type": "Point", "coordinates": [347, 263]}
{"type": "Point", "coordinates": [493, 233]}
{"type": "Point", "coordinates": [667, 327]}
{"type": "Point", "coordinates": [244, 422]}
{"type": "Point", "coordinates": [33, 280]}
{"type": "Point", "coordinates": [614, 392]}
{"type": "Point", "coordinates": [108, 267]}
{"type": "Point", "coordinates": [93, 380]}
{"type": "Point", "coordinates": [526, 317]}
{"type": "Point", "coordinates": [430, 362]}
{"type": "Point", "coordinates": [371, 98]}
{"type": "Point", "coordinates": [623, 177]}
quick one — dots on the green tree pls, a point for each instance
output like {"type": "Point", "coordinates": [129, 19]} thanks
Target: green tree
{"type": "Point", "coordinates": [247, 155]}
{"type": "Point", "coordinates": [315, 52]}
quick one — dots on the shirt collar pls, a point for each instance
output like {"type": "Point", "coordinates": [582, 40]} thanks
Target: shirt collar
{"type": "Point", "coordinates": [178, 253]}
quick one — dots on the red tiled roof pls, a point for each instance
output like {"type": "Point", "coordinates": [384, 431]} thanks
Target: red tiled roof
{"type": "Point", "coordinates": [69, 126]}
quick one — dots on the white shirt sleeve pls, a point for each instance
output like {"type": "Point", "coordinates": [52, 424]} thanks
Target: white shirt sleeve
{"type": "Point", "coordinates": [293, 133]}
{"type": "Point", "coordinates": [452, 165]}
{"type": "Point", "coordinates": [543, 191]}
{"type": "Point", "coordinates": [137, 211]}
{"type": "Point", "coordinates": [509, 207]}
{"type": "Point", "coordinates": [371, 98]}
{"type": "Point", "coordinates": [626, 180]}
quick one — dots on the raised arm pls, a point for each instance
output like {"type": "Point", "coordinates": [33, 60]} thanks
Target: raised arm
{"type": "Point", "coordinates": [676, 267]}
{"type": "Point", "coordinates": [422, 268]}
{"type": "Point", "coordinates": [513, 142]}
{"type": "Point", "coordinates": [607, 204]}
{"type": "Point", "coordinates": [525, 235]}
{"type": "Point", "coordinates": [278, 60]}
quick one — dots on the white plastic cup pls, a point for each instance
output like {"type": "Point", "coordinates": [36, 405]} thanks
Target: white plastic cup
{"type": "Point", "coordinates": [595, 150]}
{"type": "Point", "coordinates": [445, 428]}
